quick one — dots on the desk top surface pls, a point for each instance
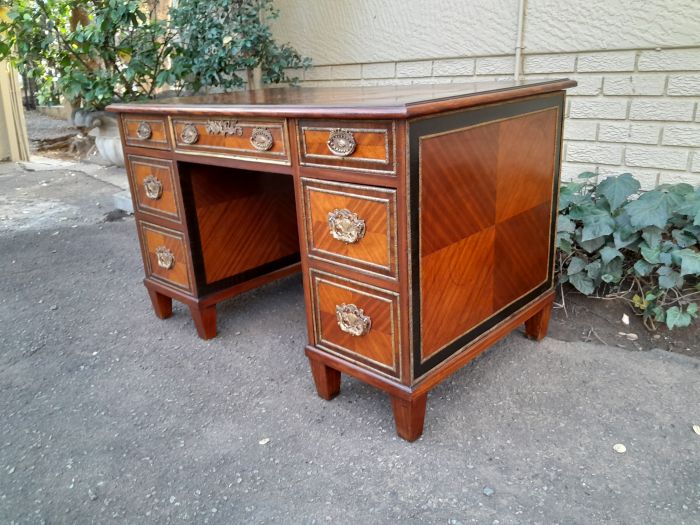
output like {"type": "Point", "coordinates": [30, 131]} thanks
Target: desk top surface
{"type": "Point", "coordinates": [347, 102]}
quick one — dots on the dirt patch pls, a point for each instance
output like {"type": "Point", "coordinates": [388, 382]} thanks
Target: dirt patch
{"type": "Point", "coordinates": [582, 318]}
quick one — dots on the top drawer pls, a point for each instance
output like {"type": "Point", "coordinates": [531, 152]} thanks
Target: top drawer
{"type": "Point", "coordinates": [346, 144]}
{"type": "Point", "coordinates": [145, 131]}
{"type": "Point", "coordinates": [260, 140]}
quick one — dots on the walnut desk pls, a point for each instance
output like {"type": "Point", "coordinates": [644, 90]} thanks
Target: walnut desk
{"type": "Point", "coordinates": [422, 218]}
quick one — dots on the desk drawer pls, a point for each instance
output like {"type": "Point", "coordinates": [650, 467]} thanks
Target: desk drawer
{"type": "Point", "coordinates": [350, 145]}
{"type": "Point", "coordinates": [260, 140]}
{"type": "Point", "coordinates": [146, 131]}
{"type": "Point", "coordinates": [166, 255]}
{"type": "Point", "coordinates": [351, 225]}
{"type": "Point", "coordinates": [155, 188]}
{"type": "Point", "coordinates": [356, 321]}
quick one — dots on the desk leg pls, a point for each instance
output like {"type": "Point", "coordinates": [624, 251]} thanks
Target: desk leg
{"type": "Point", "coordinates": [204, 318]}
{"type": "Point", "coordinates": [409, 415]}
{"type": "Point", "coordinates": [536, 326]}
{"type": "Point", "coordinates": [162, 304]}
{"type": "Point", "coordinates": [327, 379]}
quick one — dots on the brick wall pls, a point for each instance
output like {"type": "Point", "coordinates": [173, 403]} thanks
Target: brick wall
{"type": "Point", "coordinates": [635, 111]}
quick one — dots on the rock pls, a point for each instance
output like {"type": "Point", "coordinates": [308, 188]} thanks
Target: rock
{"type": "Point", "coordinates": [625, 319]}
{"type": "Point", "coordinates": [92, 495]}
{"type": "Point", "coordinates": [488, 491]}
{"type": "Point", "coordinates": [264, 441]}
{"type": "Point", "coordinates": [696, 429]}
{"type": "Point", "coordinates": [632, 337]}
{"type": "Point", "coordinates": [620, 448]}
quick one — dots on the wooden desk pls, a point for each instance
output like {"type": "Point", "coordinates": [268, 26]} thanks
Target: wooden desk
{"type": "Point", "coordinates": [422, 218]}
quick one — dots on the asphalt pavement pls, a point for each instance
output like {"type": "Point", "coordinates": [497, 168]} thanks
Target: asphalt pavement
{"type": "Point", "coordinates": [109, 415]}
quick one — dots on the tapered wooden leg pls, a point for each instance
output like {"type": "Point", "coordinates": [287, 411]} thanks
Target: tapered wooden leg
{"type": "Point", "coordinates": [409, 416]}
{"type": "Point", "coordinates": [536, 326]}
{"type": "Point", "coordinates": [327, 379]}
{"type": "Point", "coordinates": [204, 318]}
{"type": "Point", "coordinates": [162, 304]}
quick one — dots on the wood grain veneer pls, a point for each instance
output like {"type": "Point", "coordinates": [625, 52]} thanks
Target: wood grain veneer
{"type": "Point", "coordinates": [166, 204]}
{"type": "Point", "coordinates": [158, 137]}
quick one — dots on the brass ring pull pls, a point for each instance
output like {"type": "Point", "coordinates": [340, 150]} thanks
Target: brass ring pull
{"type": "Point", "coordinates": [341, 142]}
{"type": "Point", "coordinates": [352, 320]}
{"type": "Point", "coordinates": [144, 130]}
{"type": "Point", "coordinates": [189, 134]}
{"type": "Point", "coordinates": [346, 226]}
{"type": "Point", "coordinates": [153, 187]}
{"type": "Point", "coordinates": [166, 259]}
{"type": "Point", "coordinates": [261, 139]}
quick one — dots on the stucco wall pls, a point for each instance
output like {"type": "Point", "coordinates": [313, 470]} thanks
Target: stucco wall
{"type": "Point", "coordinates": [637, 63]}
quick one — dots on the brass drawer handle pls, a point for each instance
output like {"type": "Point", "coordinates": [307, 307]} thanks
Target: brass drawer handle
{"type": "Point", "coordinates": [346, 226]}
{"type": "Point", "coordinates": [341, 142]}
{"type": "Point", "coordinates": [261, 139]}
{"type": "Point", "coordinates": [166, 259]}
{"type": "Point", "coordinates": [189, 134]}
{"type": "Point", "coordinates": [352, 320]}
{"type": "Point", "coordinates": [144, 130]}
{"type": "Point", "coordinates": [153, 187]}
{"type": "Point", "coordinates": [224, 127]}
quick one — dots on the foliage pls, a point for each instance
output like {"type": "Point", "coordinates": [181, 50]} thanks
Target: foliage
{"type": "Point", "coordinates": [220, 38]}
{"type": "Point", "coordinates": [641, 247]}
{"type": "Point", "coordinates": [96, 51]}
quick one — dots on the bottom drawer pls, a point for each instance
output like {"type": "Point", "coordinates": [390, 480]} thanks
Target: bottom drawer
{"type": "Point", "coordinates": [356, 321]}
{"type": "Point", "coordinates": [165, 255]}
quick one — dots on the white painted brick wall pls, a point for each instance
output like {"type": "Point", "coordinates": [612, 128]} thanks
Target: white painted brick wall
{"type": "Point", "coordinates": [670, 60]}
{"type": "Point", "coordinates": [379, 70]}
{"type": "Point", "coordinates": [453, 67]}
{"type": "Point", "coordinates": [629, 133]}
{"type": "Point", "coordinates": [549, 64]}
{"type": "Point", "coordinates": [679, 110]}
{"type": "Point", "coordinates": [634, 85]}
{"type": "Point", "coordinates": [580, 129]}
{"type": "Point", "coordinates": [611, 61]}
{"type": "Point", "coordinates": [675, 135]}
{"type": "Point", "coordinates": [696, 163]}
{"type": "Point", "coordinates": [495, 65]}
{"type": "Point", "coordinates": [346, 72]}
{"type": "Point", "coordinates": [655, 157]}
{"type": "Point", "coordinates": [593, 152]}
{"type": "Point", "coordinates": [684, 85]}
{"type": "Point", "coordinates": [598, 108]}
{"type": "Point", "coordinates": [422, 68]}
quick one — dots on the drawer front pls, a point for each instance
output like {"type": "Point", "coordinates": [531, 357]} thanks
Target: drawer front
{"type": "Point", "coordinates": [357, 322]}
{"type": "Point", "coordinates": [351, 225]}
{"type": "Point", "coordinates": [350, 145]}
{"type": "Point", "coordinates": [146, 131]}
{"type": "Point", "coordinates": [166, 256]}
{"type": "Point", "coordinates": [259, 140]}
{"type": "Point", "coordinates": [155, 188]}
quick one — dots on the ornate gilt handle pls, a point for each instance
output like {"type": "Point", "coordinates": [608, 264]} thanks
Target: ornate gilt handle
{"type": "Point", "coordinates": [166, 259]}
{"type": "Point", "coordinates": [153, 187]}
{"type": "Point", "coordinates": [346, 226]}
{"type": "Point", "coordinates": [144, 130]}
{"type": "Point", "coordinates": [189, 134]}
{"type": "Point", "coordinates": [261, 139]}
{"type": "Point", "coordinates": [352, 320]}
{"type": "Point", "coordinates": [341, 142]}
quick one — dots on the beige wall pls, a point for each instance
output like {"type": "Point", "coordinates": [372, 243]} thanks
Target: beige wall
{"type": "Point", "coordinates": [637, 63]}
{"type": "Point", "coordinates": [13, 132]}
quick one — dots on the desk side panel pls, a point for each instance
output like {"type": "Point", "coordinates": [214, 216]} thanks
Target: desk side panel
{"type": "Point", "coordinates": [484, 187]}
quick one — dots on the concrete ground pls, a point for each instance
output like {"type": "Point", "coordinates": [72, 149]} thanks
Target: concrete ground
{"type": "Point", "coordinates": [109, 415]}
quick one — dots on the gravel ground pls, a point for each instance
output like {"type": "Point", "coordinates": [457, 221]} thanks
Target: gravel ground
{"type": "Point", "coordinates": [42, 127]}
{"type": "Point", "coordinates": [112, 416]}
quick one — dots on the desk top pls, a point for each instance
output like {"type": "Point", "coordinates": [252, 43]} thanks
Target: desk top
{"type": "Point", "coordinates": [347, 102]}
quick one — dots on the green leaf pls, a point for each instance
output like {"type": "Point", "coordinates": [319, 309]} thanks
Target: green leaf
{"type": "Point", "coordinates": [618, 189]}
{"type": "Point", "coordinates": [675, 317]}
{"type": "Point", "coordinates": [690, 262]}
{"type": "Point", "coordinates": [643, 268]}
{"type": "Point", "coordinates": [669, 278]}
{"type": "Point", "coordinates": [692, 310]}
{"type": "Point", "coordinates": [593, 270]}
{"type": "Point", "coordinates": [576, 264]}
{"type": "Point", "coordinates": [596, 223]}
{"type": "Point", "coordinates": [607, 254]}
{"type": "Point", "coordinates": [659, 314]}
{"type": "Point", "coordinates": [564, 224]}
{"type": "Point", "coordinates": [587, 175]}
{"type": "Point", "coordinates": [683, 239]}
{"type": "Point", "coordinates": [653, 208]}
{"type": "Point", "coordinates": [582, 283]}
{"type": "Point", "coordinates": [651, 255]}
{"type": "Point", "coordinates": [652, 235]}
{"type": "Point", "coordinates": [592, 245]}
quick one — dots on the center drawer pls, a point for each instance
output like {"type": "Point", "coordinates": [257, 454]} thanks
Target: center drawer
{"type": "Point", "coordinates": [351, 225]}
{"type": "Point", "coordinates": [260, 140]}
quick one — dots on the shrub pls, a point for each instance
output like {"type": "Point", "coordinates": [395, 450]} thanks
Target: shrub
{"type": "Point", "coordinates": [616, 241]}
